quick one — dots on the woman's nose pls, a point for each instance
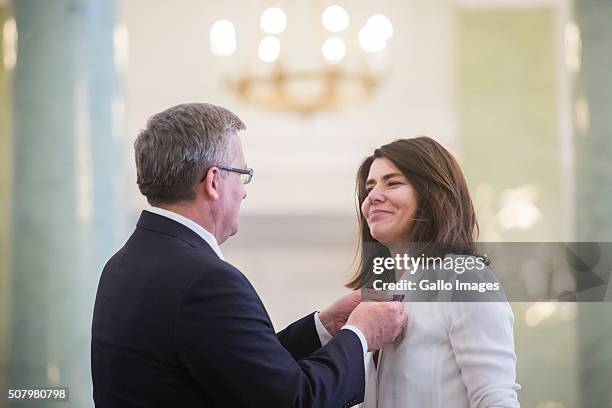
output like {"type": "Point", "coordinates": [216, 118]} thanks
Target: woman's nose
{"type": "Point", "coordinates": [375, 196]}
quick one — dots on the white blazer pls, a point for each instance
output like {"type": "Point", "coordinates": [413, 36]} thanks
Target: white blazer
{"type": "Point", "coordinates": [451, 355]}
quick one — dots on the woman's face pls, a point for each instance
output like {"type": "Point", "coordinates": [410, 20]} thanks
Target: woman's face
{"type": "Point", "coordinates": [390, 205]}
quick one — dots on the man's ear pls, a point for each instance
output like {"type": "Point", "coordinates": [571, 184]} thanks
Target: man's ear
{"type": "Point", "coordinates": [211, 183]}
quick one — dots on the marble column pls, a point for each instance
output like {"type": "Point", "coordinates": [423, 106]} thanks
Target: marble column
{"type": "Point", "coordinates": [68, 198]}
{"type": "Point", "coordinates": [5, 191]}
{"type": "Point", "coordinates": [509, 114]}
{"type": "Point", "coordinates": [593, 141]}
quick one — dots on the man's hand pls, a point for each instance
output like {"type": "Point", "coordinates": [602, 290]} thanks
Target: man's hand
{"type": "Point", "coordinates": [380, 322]}
{"type": "Point", "coordinates": [336, 315]}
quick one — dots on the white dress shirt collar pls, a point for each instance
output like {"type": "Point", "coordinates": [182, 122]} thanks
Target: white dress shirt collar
{"type": "Point", "coordinates": [198, 229]}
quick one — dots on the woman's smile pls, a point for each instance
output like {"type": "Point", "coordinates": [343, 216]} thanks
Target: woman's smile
{"type": "Point", "coordinates": [377, 213]}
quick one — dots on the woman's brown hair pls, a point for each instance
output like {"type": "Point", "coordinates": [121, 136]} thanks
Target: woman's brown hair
{"type": "Point", "coordinates": [445, 220]}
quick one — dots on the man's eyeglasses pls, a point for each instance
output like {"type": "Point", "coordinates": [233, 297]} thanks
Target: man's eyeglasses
{"type": "Point", "coordinates": [246, 175]}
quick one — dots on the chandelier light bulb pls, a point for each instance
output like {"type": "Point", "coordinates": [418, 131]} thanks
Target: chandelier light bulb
{"type": "Point", "coordinates": [222, 38]}
{"type": "Point", "coordinates": [269, 49]}
{"type": "Point", "coordinates": [381, 26]}
{"type": "Point", "coordinates": [335, 19]}
{"type": "Point", "coordinates": [334, 49]}
{"type": "Point", "coordinates": [273, 20]}
{"type": "Point", "coordinates": [370, 40]}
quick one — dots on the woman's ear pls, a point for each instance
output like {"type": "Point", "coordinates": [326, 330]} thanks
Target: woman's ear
{"type": "Point", "coordinates": [211, 183]}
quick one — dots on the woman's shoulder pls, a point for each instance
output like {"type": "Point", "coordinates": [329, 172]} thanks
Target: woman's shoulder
{"type": "Point", "coordinates": [472, 279]}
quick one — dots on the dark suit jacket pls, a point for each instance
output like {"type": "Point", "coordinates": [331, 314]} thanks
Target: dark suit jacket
{"type": "Point", "coordinates": [175, 326]}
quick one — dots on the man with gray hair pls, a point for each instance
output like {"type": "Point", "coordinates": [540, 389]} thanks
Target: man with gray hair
{"type": "Point", "coordinates": [176, 325]}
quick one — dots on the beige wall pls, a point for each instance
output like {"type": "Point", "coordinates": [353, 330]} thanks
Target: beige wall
{"type": "Point", "coordinates": [304, 165]}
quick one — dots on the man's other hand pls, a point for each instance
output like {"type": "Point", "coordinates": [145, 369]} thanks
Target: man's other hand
{"type": "Point", "coordinates": [336, 315]}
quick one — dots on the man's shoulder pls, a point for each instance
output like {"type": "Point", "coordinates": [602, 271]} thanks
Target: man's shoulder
{"type": "Point", "coordinates": [166, 247]}
{"type": "Point", "coordinates": [168, 259]}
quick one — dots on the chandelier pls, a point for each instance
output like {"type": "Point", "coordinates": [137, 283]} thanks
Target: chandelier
{"type": "Point", "coordinates": [330, 84]}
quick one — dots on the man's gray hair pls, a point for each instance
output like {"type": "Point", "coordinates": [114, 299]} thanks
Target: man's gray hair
{"type": "Point", "coordinates": [178, 146]}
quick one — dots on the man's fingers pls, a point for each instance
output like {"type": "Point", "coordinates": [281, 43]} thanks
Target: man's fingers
{"type": "Point", "coordinates": [355, 296]}
{"type": "Point", "coordinates": [397, 307]}
{"type": "Point", "coordinates": [404, 318]}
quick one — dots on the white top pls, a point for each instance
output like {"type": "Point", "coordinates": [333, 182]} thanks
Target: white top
{"type": "Point", "coordinates": [452, 354]}
{"type": "Point", "coordinates": [324, 335]}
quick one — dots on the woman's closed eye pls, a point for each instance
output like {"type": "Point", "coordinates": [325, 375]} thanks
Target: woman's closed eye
{"type": "Point", "coordinates": [389, 184]}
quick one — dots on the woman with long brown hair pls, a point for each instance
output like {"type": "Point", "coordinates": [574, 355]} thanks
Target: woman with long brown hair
{"type": "Point", "coordinates": [414, 200]}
